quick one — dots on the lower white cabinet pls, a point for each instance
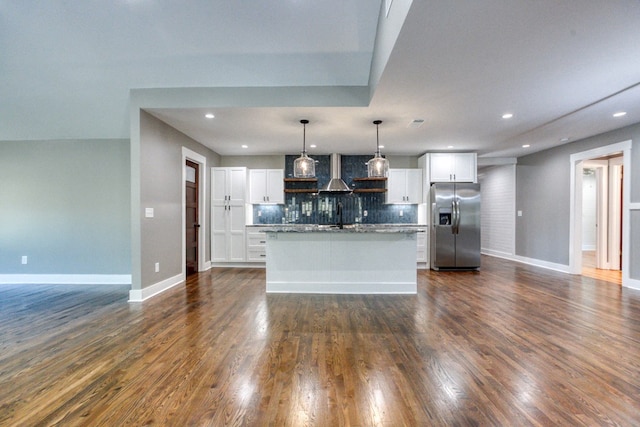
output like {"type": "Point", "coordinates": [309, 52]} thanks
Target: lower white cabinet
{"type": "Point", "coordinates": [227, 234]}
{"type": "Point", "coordinates": [422, 247]}
{"type": "Point", "coordinates": [256, 244]}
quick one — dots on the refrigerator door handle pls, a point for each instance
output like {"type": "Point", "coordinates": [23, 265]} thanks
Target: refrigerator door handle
{"type": "Point", "coordinates": [434, 221]}
{"type": "Point", "coordinates": [456, 216]}
{"type": "Point", "coordinates": [453, 216]}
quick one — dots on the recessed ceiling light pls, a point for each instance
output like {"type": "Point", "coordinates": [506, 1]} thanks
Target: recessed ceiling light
{"type": "Point", "coordinates": [526, 146]}
{"type": "Point", "coordinates": [507, 115]}
{"type": "Point", "coordinates": [245, 146]}
{"type": "Point", "coordinates": [449, 146]}
{"type": "Point", "coordinates": [313, 146]}
{"type": "Point", "coordinates": [209, 116]}
{"type": "Point", "coordinates": [382, 146]}
{"type": "Point", "coordinates": [620, 114]}
{"type": "Point", "coordinates": [565, 139]}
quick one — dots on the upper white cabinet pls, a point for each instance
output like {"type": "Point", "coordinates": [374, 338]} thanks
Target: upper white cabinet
{"type": "Point", "coordinates": [404, 186]}
{"type": "Point", "coordinates": [229, 184]}
{"type": "Point", "coordinates": [228, 195]}
{"type": "Point", "coordinates": [453, 167]}
{"type": "Point", "coordinates": [266, 186]}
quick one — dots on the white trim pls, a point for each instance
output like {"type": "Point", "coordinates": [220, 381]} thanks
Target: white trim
{"type": "Point", "coordinates": [238, 265]}
{"type": "Point", "coordinates": [632, 283]}
{"type": "Point", "coordinates": [350, 288]}
{"type": "Point", "coordinates": [562, 268]}
{"type": "Point", "coordinates": [65, 279]}
{"type": "Point", "coordinates": [188, 154]}
{"type": "Point", "coordinates": [575, 220]}
{"type": "Point", "coordinates": [139, 295]}
{"type": "Point", "coordinates": [498, 254]}
{"type": "Point", "coordinates": [575, 231]}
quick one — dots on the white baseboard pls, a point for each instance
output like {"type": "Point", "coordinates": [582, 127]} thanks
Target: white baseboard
{"type": "Point", "coordinates": [235, 264]}
{"type": "Point", "coordinates": [530, 261]}
{"type": "Point", "coordinates": [65, 279]}
{"type": "Point", "coordinates": [630, 283]}
{"type": "Point", "coordinates": [205, 267]}
{"type": "Point", "coordinates": [139, 295]}
{"type": "Point", "coordinates": [588, 247]}
{"type": "Point", "coordinates": [497, 254]}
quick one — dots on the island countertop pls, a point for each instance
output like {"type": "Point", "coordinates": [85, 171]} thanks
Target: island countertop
{"type": "Point", "coordinates": [351, 228]}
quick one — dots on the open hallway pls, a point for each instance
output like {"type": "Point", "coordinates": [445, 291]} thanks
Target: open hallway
{"type": "Point", "coordinates": [509, 345]}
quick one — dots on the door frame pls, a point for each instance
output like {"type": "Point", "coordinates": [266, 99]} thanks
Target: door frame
{"type": "Point", "coordinates": [194, 157]}
{"type": "Point", "coordinates": [601, 169]}
{"type": "Point", "coordinates": [575, 229]}
{"type": "Point", "coordinates": [616, 168]}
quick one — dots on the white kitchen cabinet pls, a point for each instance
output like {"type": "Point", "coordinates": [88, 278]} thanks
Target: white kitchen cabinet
{"type": "Point", "coordinates": [228, 197]}
{"type": "Point", "coordinates": [421, 240]}
{"type": "Point", "coordinates": [266, 186]}
{"type": "Point", "coordinates": [404, 186]}
{"type": "Point", "coordinates": [256, 244]}
{"type": "Point", "coordinates": [453, 167]}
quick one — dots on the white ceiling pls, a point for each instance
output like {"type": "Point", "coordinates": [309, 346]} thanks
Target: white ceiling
{"type": "Point", "coordinates": [562, 67]}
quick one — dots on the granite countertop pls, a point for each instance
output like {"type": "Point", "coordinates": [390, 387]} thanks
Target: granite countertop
{"type": "Point", "coordinates": [352, 228]}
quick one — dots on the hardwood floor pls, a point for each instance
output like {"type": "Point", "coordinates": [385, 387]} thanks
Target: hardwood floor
{"type": "Point", "coordinates": [509, 345]}
{"type": "Point", "coordinates": [589, 269]}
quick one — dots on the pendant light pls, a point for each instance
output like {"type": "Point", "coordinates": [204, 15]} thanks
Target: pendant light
{"type": "Point", "coordinates": [304, 166]}
{"type": "Point", "coordinates": [378, 166]}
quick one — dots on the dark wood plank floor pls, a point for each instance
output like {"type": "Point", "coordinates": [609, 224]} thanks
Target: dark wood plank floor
{"type": "Point", "coordinates": [509, 345]}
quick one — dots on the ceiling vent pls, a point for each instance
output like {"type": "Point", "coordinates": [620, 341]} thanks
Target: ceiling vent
{"type": "Point", "coordinates": [416, 123]}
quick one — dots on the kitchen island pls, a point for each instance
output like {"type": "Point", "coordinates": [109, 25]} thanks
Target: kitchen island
{"type": "Point", "coordinates": [360, 259]}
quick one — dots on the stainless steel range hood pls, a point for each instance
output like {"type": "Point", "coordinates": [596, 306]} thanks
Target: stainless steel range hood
{"type": "Point", "coordinates": [336, 185]}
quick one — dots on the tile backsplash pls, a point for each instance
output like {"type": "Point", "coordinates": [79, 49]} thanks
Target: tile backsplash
{"type": "Point", "coordinates": [308, 208]}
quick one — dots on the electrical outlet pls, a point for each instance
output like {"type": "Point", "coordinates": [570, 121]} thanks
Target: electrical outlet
{"type": "Point", "coordinates": [24, 259]}
{"type": "Point", "coordinates": [401, 212]}
{"type": "Point", "coordinates": [365, 213]}
{"type": "Point", "coordinates": [157, 267]}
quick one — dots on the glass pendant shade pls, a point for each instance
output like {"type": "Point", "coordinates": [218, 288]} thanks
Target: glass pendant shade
{"type": "Point", "coordinates": [378, 167]}
{"type": "Point", "coordinates": [304, 166]}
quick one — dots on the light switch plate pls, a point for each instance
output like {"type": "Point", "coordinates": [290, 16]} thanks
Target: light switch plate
{"type": "Point", "coordinates": [148, 212]}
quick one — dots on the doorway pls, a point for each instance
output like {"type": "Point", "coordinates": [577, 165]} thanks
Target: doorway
{"type": "Point", "coordinates": [608, 164]}
{"type": "Point", "coordinates": [194, 217]}
{"type": "Point", "coordinates": [192, 224]}
{"type": "Point", "coordinates": [602, 202]}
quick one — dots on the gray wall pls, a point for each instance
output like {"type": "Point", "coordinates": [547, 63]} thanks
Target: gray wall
{"type": "Point", "coordinates": [253, 162]}
{"type": "Point", "coordinates": [277, 162]}
{"type": "Point", "coordinates": [65, 204]}
{"type": "Point", "coordinates": [161, 189]}
{"type": "Point", "coordinates": [543, 192]}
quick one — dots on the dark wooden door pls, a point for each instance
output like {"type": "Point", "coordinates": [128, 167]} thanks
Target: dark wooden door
{"type": "Point", "coordinates": [191, 217]}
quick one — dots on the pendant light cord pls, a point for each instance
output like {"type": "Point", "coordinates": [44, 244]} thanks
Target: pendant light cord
{"type": "Point", "coordinates": [304, 135]}
{"type": "Point", "coordinates": [377, 123]}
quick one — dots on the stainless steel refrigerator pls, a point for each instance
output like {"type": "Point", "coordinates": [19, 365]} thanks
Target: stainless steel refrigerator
{"type": "Point", "coordinates": [455, 226]}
